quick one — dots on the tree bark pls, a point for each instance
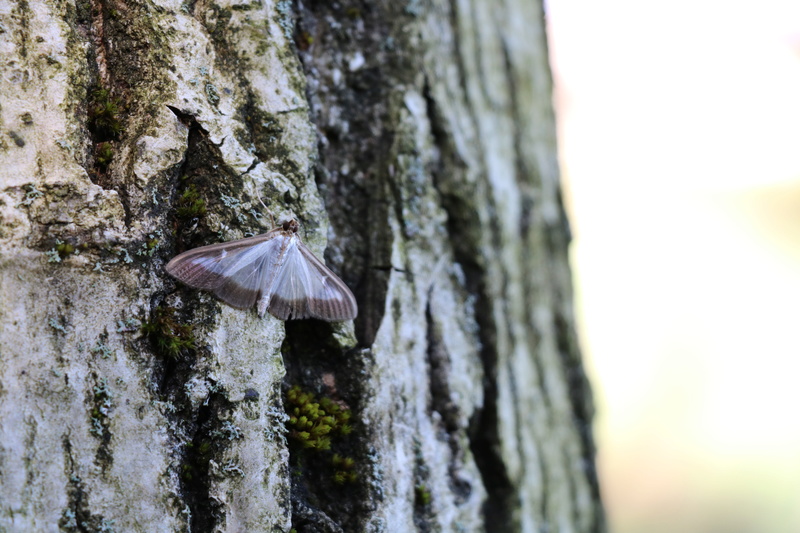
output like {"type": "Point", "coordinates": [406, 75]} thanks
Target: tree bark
{"type": "Point", "coordinates": [415, 143]}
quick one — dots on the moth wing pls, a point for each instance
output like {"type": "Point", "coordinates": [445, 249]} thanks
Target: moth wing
{"type": "Point", "coordinates": [235, 271]}
{"type": "Point", "coordinates": [244, 283]}
{"type": "Point", "coordinates": [289, 293]}
{"type": "Point", "coordinates": [305, 288]}
{"type": "Point", "coordinates": [330, 298]}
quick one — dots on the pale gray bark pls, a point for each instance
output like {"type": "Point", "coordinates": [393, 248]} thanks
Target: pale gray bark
{"type": "Point", "coordinates": [415, 139]}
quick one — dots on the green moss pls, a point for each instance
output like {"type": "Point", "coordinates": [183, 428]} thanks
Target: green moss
{"type": "Point", "coordinates": [312, 423]}
{"type": "Point", "coordinates": [64, 249]}
{"type": "Point", "coordinates": [103, 115]}
{"type": "Point", "coordinates": [315, 425]}
{"type": "Point", "coordinates": [169, 337]}
{"type": "Point", "coordinates": [204, 448]}
{"type": "Point", "coordinates": [104, 154]}
{"type": "Point", "coordinates": [343, 469]}
{"type": "Point", "coordinates": [190, 204]}
{"type": "Point", "coordinates": [422, 496]}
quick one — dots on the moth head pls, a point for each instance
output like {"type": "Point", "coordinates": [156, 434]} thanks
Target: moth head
{"type": "Point", "coordinates": [291, 225]}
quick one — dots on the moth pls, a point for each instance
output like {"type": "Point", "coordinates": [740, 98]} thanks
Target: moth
{"type": "Point", "coordinates": [275, 270]}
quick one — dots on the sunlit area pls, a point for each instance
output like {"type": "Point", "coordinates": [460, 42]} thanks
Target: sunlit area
{"type": "Point", "coordinates": [679, 132]}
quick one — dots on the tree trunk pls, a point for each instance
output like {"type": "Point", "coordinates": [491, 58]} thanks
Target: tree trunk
{"type": "Point", "coordinates": [416, 139]}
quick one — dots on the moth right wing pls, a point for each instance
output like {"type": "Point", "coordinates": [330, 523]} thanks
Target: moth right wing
{"type": "Point", "coordinates": [235, 271]}
{"type": "Point", "coordinates": [305, 288]}
{"type": "Point", "coordinates": [330, 299]}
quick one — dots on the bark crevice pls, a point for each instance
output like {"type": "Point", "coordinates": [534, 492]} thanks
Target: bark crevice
{"type": "Point", "coordinates": [211, 435]}
{"type": "Point", "coordinates": [324, 497]}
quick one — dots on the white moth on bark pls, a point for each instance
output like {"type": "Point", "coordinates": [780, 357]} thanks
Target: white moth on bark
{"type": "Point", "coordinates": [274, 269]}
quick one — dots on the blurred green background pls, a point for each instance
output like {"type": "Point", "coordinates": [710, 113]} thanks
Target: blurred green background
{"type": "Point", "coordinates": [679, 131]}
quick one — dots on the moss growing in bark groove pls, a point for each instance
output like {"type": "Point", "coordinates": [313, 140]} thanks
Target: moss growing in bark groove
{"type": "Point", "coordinates": [343, 469]}
{"type": "Point", "coordinates": [190, 205]}
{"type": "Point", "coordinates": [422, 496]}
{"type": "Point", "coordinates": [64, 249]}
{"type": "Point", "coordinates": [103, 115]}
{"type": "Point", "coordinates": [104, 154]}
{"type": "Point", "coordinates": [312, 423]}
{"type": "Point", "coordinates": [327, 484]}
{"type": "Point", "coordinates": [169, 337]}
{"type": "Point", "coordinates": [315, 425]}
{"type": "Point", "coordinates": [60, 251]}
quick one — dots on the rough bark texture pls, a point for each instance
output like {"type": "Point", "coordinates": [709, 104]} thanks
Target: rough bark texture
{"type": "Point", "coordinates": [416, 139]}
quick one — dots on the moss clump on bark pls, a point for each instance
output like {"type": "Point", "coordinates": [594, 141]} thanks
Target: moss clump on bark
{"type": "Point", "coordinates": [169, 337]}
{"type": "Point", "coordinates": [312, 423]}
{"type": "Point", "coordinates": [104, 111]}
{"type": "Point", "coordinates": [343, 469]}
{"type": "Point", "coordinates": [190, 204]}
{"type": "Point", "coordinates": [104, 154]}
{"type": "Point", "coordinates": [315, 424]}
{"type": "Point", "coordinates": [422, 496]}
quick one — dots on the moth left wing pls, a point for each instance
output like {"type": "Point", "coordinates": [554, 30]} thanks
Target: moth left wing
{"type": "Point", "coordinates": [235, 271]}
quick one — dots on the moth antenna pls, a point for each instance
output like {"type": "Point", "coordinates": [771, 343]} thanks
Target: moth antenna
{"type": "Point", "coordinates": [271, 218]}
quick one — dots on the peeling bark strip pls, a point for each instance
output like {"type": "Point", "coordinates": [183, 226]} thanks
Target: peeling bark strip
{"type": "Point", "coordinates": [135, 131]}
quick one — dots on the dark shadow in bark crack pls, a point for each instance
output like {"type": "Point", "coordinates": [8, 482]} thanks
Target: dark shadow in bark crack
{"type": "Point", "coordinates": [330, 483]}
